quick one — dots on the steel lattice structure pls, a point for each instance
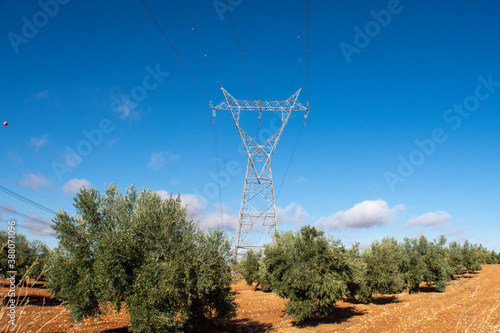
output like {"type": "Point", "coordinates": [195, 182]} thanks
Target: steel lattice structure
{"type": "Point", "coordinates": [257, 202]}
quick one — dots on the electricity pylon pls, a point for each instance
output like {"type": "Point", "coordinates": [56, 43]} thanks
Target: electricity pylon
{"type": "Point", "coordinates": [257, 202]}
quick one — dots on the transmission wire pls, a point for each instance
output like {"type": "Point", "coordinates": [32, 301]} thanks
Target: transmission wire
{"type": "Point", "coordinates": [32, 228]}
{"type": "Point", "coordinates": [26, 200]}
{"type": "Point", "coordinates": [13, 211]}
{"type": "Point", "coordinates": [204, 95]}
{"type": "Point", "coordinates": [307, 95]}
{"type": "Point", "coordinates": [240, 48]}
{"type": "Point", "coordinates": [43, 196]}
{"type": "Point", "coordinates": [175, 51]}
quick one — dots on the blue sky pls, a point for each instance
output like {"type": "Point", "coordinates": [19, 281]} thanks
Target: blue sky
{"type": "Point", "coordinates": [402, 137]}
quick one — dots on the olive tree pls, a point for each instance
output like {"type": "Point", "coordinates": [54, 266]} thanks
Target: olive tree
{"type": "Point", "coordinates": [308, 269]}
{"type": "Point", "coordinates": [143, 251]}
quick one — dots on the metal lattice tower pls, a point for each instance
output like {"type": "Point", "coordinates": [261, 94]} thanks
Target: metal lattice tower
{"type": "Point", "coordinates": [257, 202]}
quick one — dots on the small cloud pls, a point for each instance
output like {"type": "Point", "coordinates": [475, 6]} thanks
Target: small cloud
{"type": "Point", "coordinates": [74, 185]}
{"type": "Point", "coordinates": [14, 158]}
{"type": "Point", "coordinates": [38, 225]}
{"type": "Point", "coordinates": [224, 207]}
{"type": "Point", "coordinates": [158, 159]}
{"type": "Point", "coordinates": [123, 106]}
{"type": "Point", "coordinates": [39, 142]}
{"type": "Point", "coordinates": [41, 94]}
{"type": "Point", "coordinates": [292, 214]}
{"type": "Point", "coordinates": [216, 219]}
{"type": "Point", "coordinates": [300, 180]}
{"type": "Point", "coordinates": [434, 220]}
{"type": "Point", "coordinates": [35, 181]}
{"type": "Point", "coordinates": [457, 232]}
{"type": "Point", "coordinates": [112, 142]}
{"type": "Point", "coordinates": [366, 214]}
{"type": "Point", "coordinates": [197, 210]}
{"type": "Point", "coordinates": [163, 194]}
{"type": "Point", "coordinates": [174, 181]}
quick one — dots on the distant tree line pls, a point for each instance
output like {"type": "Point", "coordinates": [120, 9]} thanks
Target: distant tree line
{"type": "Point", "coordinates": [314, 272]}
{"type": "Point", "coordinates": [31, 257]}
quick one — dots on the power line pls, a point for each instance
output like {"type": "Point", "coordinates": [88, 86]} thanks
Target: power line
{"type": "Point", "coordinates": [218, 173]}
{"type": "Point", "coordinates": [51, 232]}
{"type": "Point", "coordinates": [175, 51]}
{"type": "Point", "coordinates": [202, 46]}
{"type": "Point", "coordinates": [308, 61]}
{"type": "Point", "coordinates": [27, 188]}
{"type": "Point", "coordinates": [290, 161]}
{"type": "Point", "coordinates": [204, 95]}
{"type": "Point", "coordinates": [307, 95]}
{"type": "Point", "coordinates": [240, 48]}
{"type": "Point", "coordinates": [26, 200]}
{"type": "Point", "coordinates": [12, 211]}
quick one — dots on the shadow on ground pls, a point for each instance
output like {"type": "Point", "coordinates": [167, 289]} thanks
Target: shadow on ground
{"type": "Point", "coordinates": [235, 326]}
{"type": "Point", "coordinates": [336, 316]}
{"type": "Point", "coordinates": [381, 300]}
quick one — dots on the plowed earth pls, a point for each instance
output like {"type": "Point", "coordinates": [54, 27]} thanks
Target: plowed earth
{"type": "Point", "coordinates": [470, 303]}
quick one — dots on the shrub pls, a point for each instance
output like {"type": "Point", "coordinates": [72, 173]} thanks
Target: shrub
{"type": "Point", "coordinates": [455, 257]}
{"type": "Point", "coordinates": [249, 266]}
{"type": "Point", "coordinates": [438, 270]}
{"type": "Point", "coordinates": [384, 261]}
{"type": "Point", "coordinates": [471, 257]}
{"type": "Point", "coordinates": [413, 264]}
{"type": "Point", "coordinates": [308, 269]}
{"type": "Point", "coordinates": [144, 251]}
{"type": "Point", "coordinates": [357, 284]}
{"type": "Point", "coordinates": [31, 256]}
{"type": "Point", "coordinates": [264, 278]}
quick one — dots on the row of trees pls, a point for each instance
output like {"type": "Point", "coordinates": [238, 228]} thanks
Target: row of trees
{"type": "Point", "coordinates": [142, 251]}
{"type": "Point", "coordinates": [31, 257]}
{"type": "Point", "coordinates": [314, 272]}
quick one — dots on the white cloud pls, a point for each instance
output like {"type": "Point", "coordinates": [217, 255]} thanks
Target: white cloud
{"type": "Point", "coordinates": [158, 159]}
{"type": "Point", "coordinates": [34, 181]}
{"type": "Point", "coordinates": [366, 214]}
{"type": "Point", "coordinates": [292, 214]}
{"type": "Point", "coordinates": [38, 225]}
{"type": "Point", "coordinates": [41, 94]}
{"type": "Point", "coordinates": [300, 180]}
{"type": "Point", "coordinates": [39, 142]}
{"type": "Point", "coordinates": [457, 232]}
{"type": "Point", "coordinates": [122, 105]}
{"type": "Point", "coordinates": [14, 158]}
{"type": "Point", "coordinates": [434, 220]}
{"type": "Point", "coordinates": [163, 194]}
{"type": "Point", "coordinates": [197, 209]}
{"type": "Point", "coordinates": [112, 142]}
{"type": "Point", "coordinates": [74, 185]}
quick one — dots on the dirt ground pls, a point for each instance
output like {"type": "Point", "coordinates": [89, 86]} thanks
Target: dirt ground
{"type": "Point", "coordinates": [469, 304]}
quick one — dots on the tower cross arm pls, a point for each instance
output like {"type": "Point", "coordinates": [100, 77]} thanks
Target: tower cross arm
{"type": "Point", "coordinates": [290, 104]}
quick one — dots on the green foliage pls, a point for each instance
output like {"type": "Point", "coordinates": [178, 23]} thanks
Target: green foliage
{"type": "Point", "coordinates": [144, 251]}
{"type": "Point", "coordinates": [357, 284]}
{"type": "Point", "coordinates": [263, 277]}
{"type": "Point", "coordinates": [249, 266]}
{"type": "Point", "coordinates": [455, 257]}
{"type": "Point", "coordinates": [471, 256]}
{"type": "Point", "coordinates": [384, 263]}
{"type": "Point", "coordinates": [413, 264]}
{"type": "Point", "coordinates": [309, 270]}
{"type": "Point", "coordinates": [31, 256]}
{"type": "Point", "coordinates": [438, 270]}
